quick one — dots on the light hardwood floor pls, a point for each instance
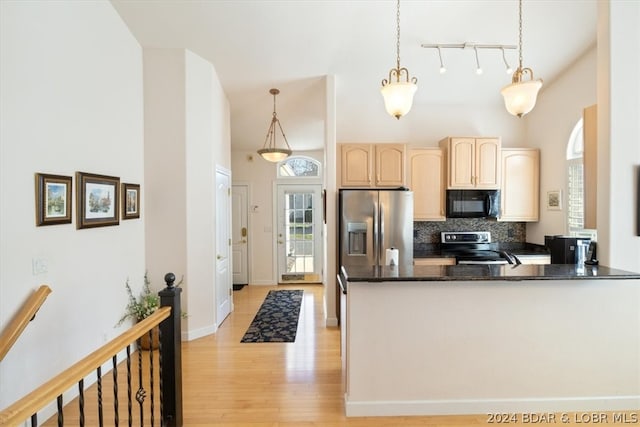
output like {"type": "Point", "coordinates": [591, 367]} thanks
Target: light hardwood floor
{"type": "Point", "coordinates": [233, 384]}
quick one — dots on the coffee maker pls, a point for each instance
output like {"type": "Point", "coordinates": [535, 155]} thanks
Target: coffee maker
{"type": "Point", "coordinates": [563, 248]}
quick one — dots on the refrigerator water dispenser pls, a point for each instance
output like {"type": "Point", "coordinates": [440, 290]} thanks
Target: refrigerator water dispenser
{"type": "Point", "coordinates": [357, 238]}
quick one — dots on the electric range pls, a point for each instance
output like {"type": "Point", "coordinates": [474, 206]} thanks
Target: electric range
{"type": "Point", "coordinates": [473, 247]}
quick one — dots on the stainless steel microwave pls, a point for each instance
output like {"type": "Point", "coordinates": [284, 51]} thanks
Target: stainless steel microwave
{"type": "Point", "coordinates": [473, 203]}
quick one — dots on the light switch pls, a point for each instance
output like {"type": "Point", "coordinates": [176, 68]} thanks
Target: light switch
{"type": "Point", "coordinates": [39, 266]}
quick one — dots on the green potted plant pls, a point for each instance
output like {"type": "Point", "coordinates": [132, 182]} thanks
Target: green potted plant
{"type": "Point", "coordinates": [143, 306]}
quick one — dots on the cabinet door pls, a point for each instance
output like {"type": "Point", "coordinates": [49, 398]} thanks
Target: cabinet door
{"type": "Point", "coordinates": [389, 165]}
{"type": "Point", "coordinates": [461, 162]}
{"type": "Point", "coordinates": [487, 163]}
{"type": "Point", "coordinates": [520, 195]}
{"type": "Point", "coordinates": [426, 180]}
{"type": "Point", "coordinates": [356, 165]}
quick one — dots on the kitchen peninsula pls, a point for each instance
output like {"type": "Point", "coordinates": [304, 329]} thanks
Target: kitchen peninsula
{"type": "Point", "coordinates": [430, 340]}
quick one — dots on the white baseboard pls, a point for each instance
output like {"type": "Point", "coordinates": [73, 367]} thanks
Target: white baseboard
{"type": "Point", "coordinates": [575, 406]}
{"type": "Point", "coordinates": [199, 333]}
{"type": "Point", "coordinates": [331, 321]}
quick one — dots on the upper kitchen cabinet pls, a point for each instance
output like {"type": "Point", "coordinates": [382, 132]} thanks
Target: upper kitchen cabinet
{"type": "Point", "coordinates": [520, 192]}
{"type": "Point", "coordinates": [473, 163]}
{"type": "Point", "coordinates": [372, 165]}
{"type": "Point", "coordinates": [427, 181]}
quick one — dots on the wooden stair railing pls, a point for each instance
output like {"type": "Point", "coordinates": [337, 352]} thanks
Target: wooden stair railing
{"type": "Point", "coordinates": [167, 317]}
{"type": "Point", "coordinates": [20, 321]}
{"type": "Point", "coordinates": [49, 391]}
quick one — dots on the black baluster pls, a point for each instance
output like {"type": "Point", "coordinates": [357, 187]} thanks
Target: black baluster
{"type": "Point", "coordinates": [116, 417]}
{"type": "Point", "coordinates": [60, 414]}
{"type": "Point", "coordinates": [100, 419]}
{"type": "Point", "coordinates": [81, 401]}
{"type": "Point", "coordinates": [140, 394]}
{"type": "Point", "coordinates": [160, 367]}
{"type": "Point", "coordinates": [151, 388]}
{"type": "Point", "coordinates": [34, 420]}
{"type": "Point", "coordinates": [129, 390]}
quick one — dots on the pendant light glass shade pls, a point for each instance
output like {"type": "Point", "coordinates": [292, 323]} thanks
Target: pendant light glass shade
{"type": "Point", "coordinates": [399, 88]}
{"type": "Point", "coordinates": [269, 151]}
{"type": "Point", "coordinates": [398, 97]}
{"type": "Point", "coordinates": [520, 96]}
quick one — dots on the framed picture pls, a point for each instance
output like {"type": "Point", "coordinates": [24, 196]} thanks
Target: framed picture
{"type": "Point", "coordinates": [130, 201]}
{"type": "Point", "coordinates": [53, 199]}
{"type": "Point", "coordinates": [554, 200]}
{"type": "Point", "coordinates": [97, 200]}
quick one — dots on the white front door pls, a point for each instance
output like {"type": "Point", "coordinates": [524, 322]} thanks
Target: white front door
{"type": "Point", "coordinates": [299, 238]}
{"type": "Point", "coordinates": [239, 200]}
{"type": "Point", "coordinates": [223, 245]}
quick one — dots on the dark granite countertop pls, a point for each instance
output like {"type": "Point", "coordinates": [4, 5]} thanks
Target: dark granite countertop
{"type": "Point", "coordinates": [432, 250]}
{"type": "Point", "coordinates": [491, 272]}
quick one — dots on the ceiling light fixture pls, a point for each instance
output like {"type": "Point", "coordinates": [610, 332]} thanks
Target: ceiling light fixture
{"type": "Point", "coordinates": [469, 45]}
{"type": "Point", "coordinates": [520, 96]}
{"type": "Point", "coordinates": [442, 69]}
{"type": "Point", "coordinates": [478, 68]}
{"type": "Point", "coordinates": [506, 64]}
{"type": "Point", "coordinates": [269, 151]}
{"type": "Point", "coordinates": [398, 95]}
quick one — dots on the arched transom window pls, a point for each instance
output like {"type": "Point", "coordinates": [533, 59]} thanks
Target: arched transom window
{"type": "Point", "coordinates": [299, 166]}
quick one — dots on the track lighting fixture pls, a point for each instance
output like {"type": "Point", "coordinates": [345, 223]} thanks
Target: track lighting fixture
{"type": "Point", "coordinates": [469, 45]}
{"type": "Point", "coordinates": [506, 64]}
{"type": "Point", "coordinates": [478, 68]}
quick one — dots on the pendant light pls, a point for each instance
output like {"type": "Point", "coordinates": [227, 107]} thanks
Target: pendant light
{"type": "Point", "coordinates": [520, 96]}
{"type": "Point", "coordinates": [269, 151]}
{"type": "Point", "coordinates": [398, 95]}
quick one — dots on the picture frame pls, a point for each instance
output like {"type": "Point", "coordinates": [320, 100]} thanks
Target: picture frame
{"type": "Point", "coordinates": [53, 199]}
{"type": "Point", "coordinates": [97, 200]}
{"type": "Point", "coordinates": [554, 200]}
{"type": "Point", "coordinates": [130, 201]}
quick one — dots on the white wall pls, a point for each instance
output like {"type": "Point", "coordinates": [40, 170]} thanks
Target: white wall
{"type": "Point", "coordinates": [70, 100]}
{"type": "Point", "coordinates": [549, 126]}
{"type": "Point", "coordinates": [618, 133]}
{"type": "Point", "coordinates": [186, 137]}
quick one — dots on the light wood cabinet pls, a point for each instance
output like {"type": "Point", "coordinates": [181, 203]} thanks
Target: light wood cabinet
{"type": "Point", "coordinates": [472, 163]}
{"type": "Point", "coordinates": [427, 181]}
{"type": "Point", "coordinates": [372, 165]}
{"type": "Point", "coordinates": [434, 261]}
{"type": "Point", "coordinates": [520, 192]}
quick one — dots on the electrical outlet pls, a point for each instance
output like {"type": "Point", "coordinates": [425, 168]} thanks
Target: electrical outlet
{"type": "Point", "coordinates": [39, 266]}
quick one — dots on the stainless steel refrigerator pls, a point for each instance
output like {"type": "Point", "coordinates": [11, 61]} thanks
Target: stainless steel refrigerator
{"type": "Point", "coordinates": [372, 221]}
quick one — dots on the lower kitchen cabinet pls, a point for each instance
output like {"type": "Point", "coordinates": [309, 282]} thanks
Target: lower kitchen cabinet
{"type": "Point", "coordinates": [520, 190]}
{"type": "Point", "coordinates": [427, 181]}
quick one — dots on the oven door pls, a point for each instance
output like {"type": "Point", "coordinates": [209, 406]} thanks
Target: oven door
{"type": "Point", "coordinates": [482, 262]}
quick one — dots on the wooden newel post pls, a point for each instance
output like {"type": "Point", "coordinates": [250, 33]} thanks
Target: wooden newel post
{"type": "Point", "coordinates": [170, 333]}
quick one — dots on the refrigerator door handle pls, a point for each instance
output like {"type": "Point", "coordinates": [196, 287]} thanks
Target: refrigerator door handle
{"type": "Point", "coordinates": [376, 231]}
{"type": "Point", "coordinates": [381, 248]}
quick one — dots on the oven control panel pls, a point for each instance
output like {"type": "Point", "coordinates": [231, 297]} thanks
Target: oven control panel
{"type": "Point", "coordinates": [465, 237]}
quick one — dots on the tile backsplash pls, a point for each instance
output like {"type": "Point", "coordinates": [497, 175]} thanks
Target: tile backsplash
{"type": "Point", "coordinates": [503, 232]}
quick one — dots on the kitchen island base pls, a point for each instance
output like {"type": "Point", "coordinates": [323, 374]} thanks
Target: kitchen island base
{"type": "Point", "coordinates": [477, 347]}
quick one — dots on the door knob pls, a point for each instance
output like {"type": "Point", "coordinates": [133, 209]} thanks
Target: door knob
{"type": "Point", "coordinates": [244, 241]}
{"type": "Point", "coordinates": [243, 232]}
{"type": "Point", "coordinates": [280, 241]}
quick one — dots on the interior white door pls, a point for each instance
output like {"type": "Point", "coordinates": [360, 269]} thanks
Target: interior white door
{"type": "Point", "coordinates": [223, 246]}
{"type": "Point", "coordinates": [240, 233]}
{"type": "Point", "coordinates": [299, 239]}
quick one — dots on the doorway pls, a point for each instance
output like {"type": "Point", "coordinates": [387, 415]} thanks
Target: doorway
{"type": "Point", "coordinates": [299, 233]}
{"type": "Point", "coordinates": [240, 235]}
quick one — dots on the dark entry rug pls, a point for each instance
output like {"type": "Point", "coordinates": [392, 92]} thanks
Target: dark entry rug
{"type": "Point", "coordinates": [277, 318]}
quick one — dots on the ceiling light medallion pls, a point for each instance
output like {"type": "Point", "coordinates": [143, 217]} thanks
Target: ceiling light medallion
{"type": "Point", "coordinates": [520, 96]}
{"type": "Point", "coordinates": [398, 95]}
{"type": "Point", "coordinates": [269, 151]}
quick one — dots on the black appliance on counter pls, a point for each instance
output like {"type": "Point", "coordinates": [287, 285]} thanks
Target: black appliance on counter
{"type": "Point", "coordinates": [473, 247]}
{"type": "Point", "coordinates": [563, 249]}
{"type": "Point", "coordinates": [473, 203]}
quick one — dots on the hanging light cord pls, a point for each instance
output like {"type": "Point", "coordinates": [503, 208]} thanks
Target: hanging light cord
{"type": "Point", "coordinates": [520, 33]}
{"type": "Point", "coordinates": [398, 34]}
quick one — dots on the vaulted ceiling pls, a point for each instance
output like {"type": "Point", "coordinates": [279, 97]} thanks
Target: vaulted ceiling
{"type": "Point", "coordinates": [255, 45]}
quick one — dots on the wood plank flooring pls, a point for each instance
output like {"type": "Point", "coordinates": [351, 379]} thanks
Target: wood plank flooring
{"type": "Point", "coordinates": [233, 384]}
